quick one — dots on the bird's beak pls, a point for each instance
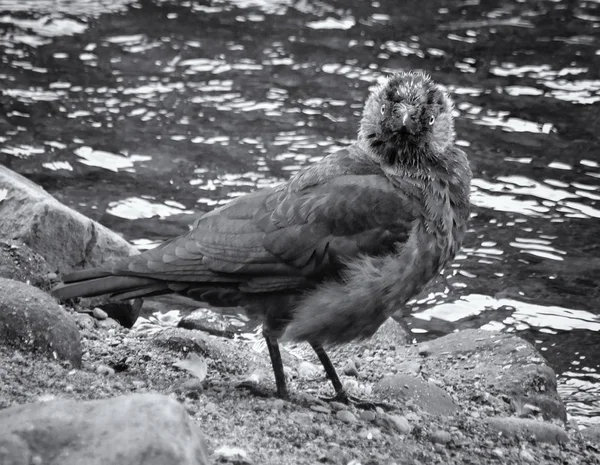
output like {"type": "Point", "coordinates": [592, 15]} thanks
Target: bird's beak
{"type": "Point", "coordinates": [404, 119]}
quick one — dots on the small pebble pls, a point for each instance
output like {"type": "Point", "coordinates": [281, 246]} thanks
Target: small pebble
{"type": "Point", "coordinates": [424, 349]}
{"type": "Point", "coordinates": [69, 388]}
{"type": "Point", "coordinates": [105, 370]}
{"type": "Point", "coordinates": [498, 453]}
{"type": "Point", "coordinates": [367, 415]}
{"type": "Point", "coordinates": [350, 369]}
{"type": "Point", "coordinates": [230, 454]}
{"type": "Point", "coordinates": [99, 314]}
{"type": "Point", "coordinates": [278, 404]}
{"type": "Point", "coordinates": [211, 408]}
{"type": "Point", "coordinates": [320, 409]}
{"type": "Point", "coordinates": [138, 384]}
{"type": "Point", "coordinates": [301, 418]}
{"type": "Point", "coordinates": [526, 455]}
{"type": "Point", "coordinates": [307, 370]}
{"type": "Point", "coordinates": [191, 385]}
{"type": "Point", "coordinates": [400, 423]}
{"type": "Point", "coordinates": [337, 405]}
{"type": "Point", "coordinates": [440, 437]}
{"type": "Point", "coordinates": [346, 416]}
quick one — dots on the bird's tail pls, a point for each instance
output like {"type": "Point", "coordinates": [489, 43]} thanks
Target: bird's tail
{"type": "Point", "coordinates": [371, 290]}
{"type": "Point", "coordinates": [98, 281]}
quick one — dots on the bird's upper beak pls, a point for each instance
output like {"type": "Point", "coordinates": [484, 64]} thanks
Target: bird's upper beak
{"type": "Point", "coordinates": [404, 118]}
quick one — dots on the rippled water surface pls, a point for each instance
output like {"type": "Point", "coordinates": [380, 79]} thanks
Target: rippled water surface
{"type": "Point", "coordinates": [141, 114]}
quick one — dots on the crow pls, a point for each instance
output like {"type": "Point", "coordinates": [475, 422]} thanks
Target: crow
{"type": "Point", "coordinates": [329, 255]}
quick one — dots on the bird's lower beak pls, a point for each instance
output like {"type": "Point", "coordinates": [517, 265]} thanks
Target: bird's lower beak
{"type": "Point", "coordinates": [404, 119]}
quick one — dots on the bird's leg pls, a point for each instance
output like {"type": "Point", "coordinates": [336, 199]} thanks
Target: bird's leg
{"type": "Point", "coordinates": [340, 393]}
{"type": "Point", "coordinates": [277, 364]}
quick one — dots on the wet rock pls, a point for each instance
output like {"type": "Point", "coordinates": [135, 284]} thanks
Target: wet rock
{"type": "Point", "coordinates": [210, 322]}
{"type": "Point", "coordinates": [32, 320]}
{"type": "Point", "coordinates": [346, 416]}
{"type": "Point", "coordinates": [19, 262]}
{"type": "Point", "coordinates": [65, 238]}
{"type": "Point", "coordinates": [426, 395]}
{"type": "Point", "coordinates": [514, 427]}
{"type": "Point", "coordinates": [485, 356]}
{"type": "Point", "coordinates": [592, 434]}
{"type": "Point", "coordinates": [141, 428]}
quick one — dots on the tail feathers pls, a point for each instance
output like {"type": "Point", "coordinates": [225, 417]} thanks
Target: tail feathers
{"type": "Point", "coordinates": [90, 283]}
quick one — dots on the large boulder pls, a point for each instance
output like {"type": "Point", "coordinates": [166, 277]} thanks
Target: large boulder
{"type": "Point", "coordinates": [498, 364]}
{"type": "Point", "coordinates": [152, 429]}
{"type": "Point", "coordinates": [19, 262]}
{"type": "Point", "coordinates": [65, 238]}
{"type": "Point", "coordinates": [30, 319]}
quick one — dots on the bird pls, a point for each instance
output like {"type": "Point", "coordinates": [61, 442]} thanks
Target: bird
{"type": "Point", "coordinates": [327, 256]}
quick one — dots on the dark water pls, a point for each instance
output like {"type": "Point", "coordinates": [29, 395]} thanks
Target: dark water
{"type": "Point", "coordinates": [140, 114]}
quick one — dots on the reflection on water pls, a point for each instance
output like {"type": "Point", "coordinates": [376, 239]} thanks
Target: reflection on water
{"type": "Point", "coordinates": [139, 114]}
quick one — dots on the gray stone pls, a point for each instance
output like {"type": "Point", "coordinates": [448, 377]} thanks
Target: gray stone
{"type": "Point", "coordinates": [485, 356]}
{"type": "Point", "coordinates": [19, 262]}
{"type": "Point", "coordinates": [346, 416]}
{"type": "Point", "coordinates": [592, 433]}
{"type": "Point", "coordinates": [440, 437]}
{"type": "Point", "coordinates": [426, 395]}
{"type": "Point", "coordinates": [514, 427]}
{"type": "Point", "coordinates": [65, 238]}
{"type": "Point", "coordinates": [141, 428]}
{"type": "Point", "coordinates": [32, 320]}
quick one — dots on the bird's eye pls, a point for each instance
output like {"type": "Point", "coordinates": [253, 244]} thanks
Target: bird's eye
{"type": "Point", "coordinates": [382, 109]}
{"type": "Point", "coordinates": [431, 120]}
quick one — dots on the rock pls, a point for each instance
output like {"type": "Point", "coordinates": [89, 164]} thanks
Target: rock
{"type": "Point", "coordinates": [278, 404]}
{"type": "Point", "coordinates": [65, 238]}
{"type": "Point", "coordinates": [391, 333]}
{"type": "Point", "coordinates": [230, 454]}
{"type": "Point", "coordinates": [320, 409]}
{"type": "Point", "coordinates": [592, 433]}
{"type": "Point", "coordinates": [541, 431]}
{"type": "Point", "coordinates": [346, 416]}
{"type": "Point", "coordinates": [19, 262]}
{"type": "Point", "coordinates": [308, 370]}
{"type": "Point", "coordinates": [524, 454]}
{"type": "Point", "coordinates": [84, 321]}
{"type": "Point", "coordinates": [426, 395]}
{"type": "Point", "coordinates": [210, 322]}
{"type": "Point", "coordinates": [367, 415]}
{"type": "Point", "coordinates": [485, 356]}
{"type": "Point", "coordinates": [350, 369]}
{"type": "Point", "coordinates": [31, 319]}
{"type": "Point", "coordinates": [440, 437]}
{"type": "Point", "coordinates": [140, 428]}
{"type": "Point", "coordinates": [337, 405]}
{"type": "Point", "coordinates": [397, 422]}
{"type": "Point", "coordinates": [302, 418]}
{"type": "Point", "coordinates": [105, 370]}
{"type": "Point", "coordinates": [498, 453]}
{"type": "Point", "coordinates": [191, 385]}
{"type": "Point", "coordinates": [99, 314]}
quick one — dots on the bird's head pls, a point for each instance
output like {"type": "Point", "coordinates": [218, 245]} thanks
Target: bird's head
{"type": "Point", "coordinates": [407, 117]}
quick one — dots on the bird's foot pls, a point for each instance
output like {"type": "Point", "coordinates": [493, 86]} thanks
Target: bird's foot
{"type": "Point", "coordinates": [362, 404]}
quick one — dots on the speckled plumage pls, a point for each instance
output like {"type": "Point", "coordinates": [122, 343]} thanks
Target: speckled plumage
{"type": "Point", "coordinates": [327, 256]}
